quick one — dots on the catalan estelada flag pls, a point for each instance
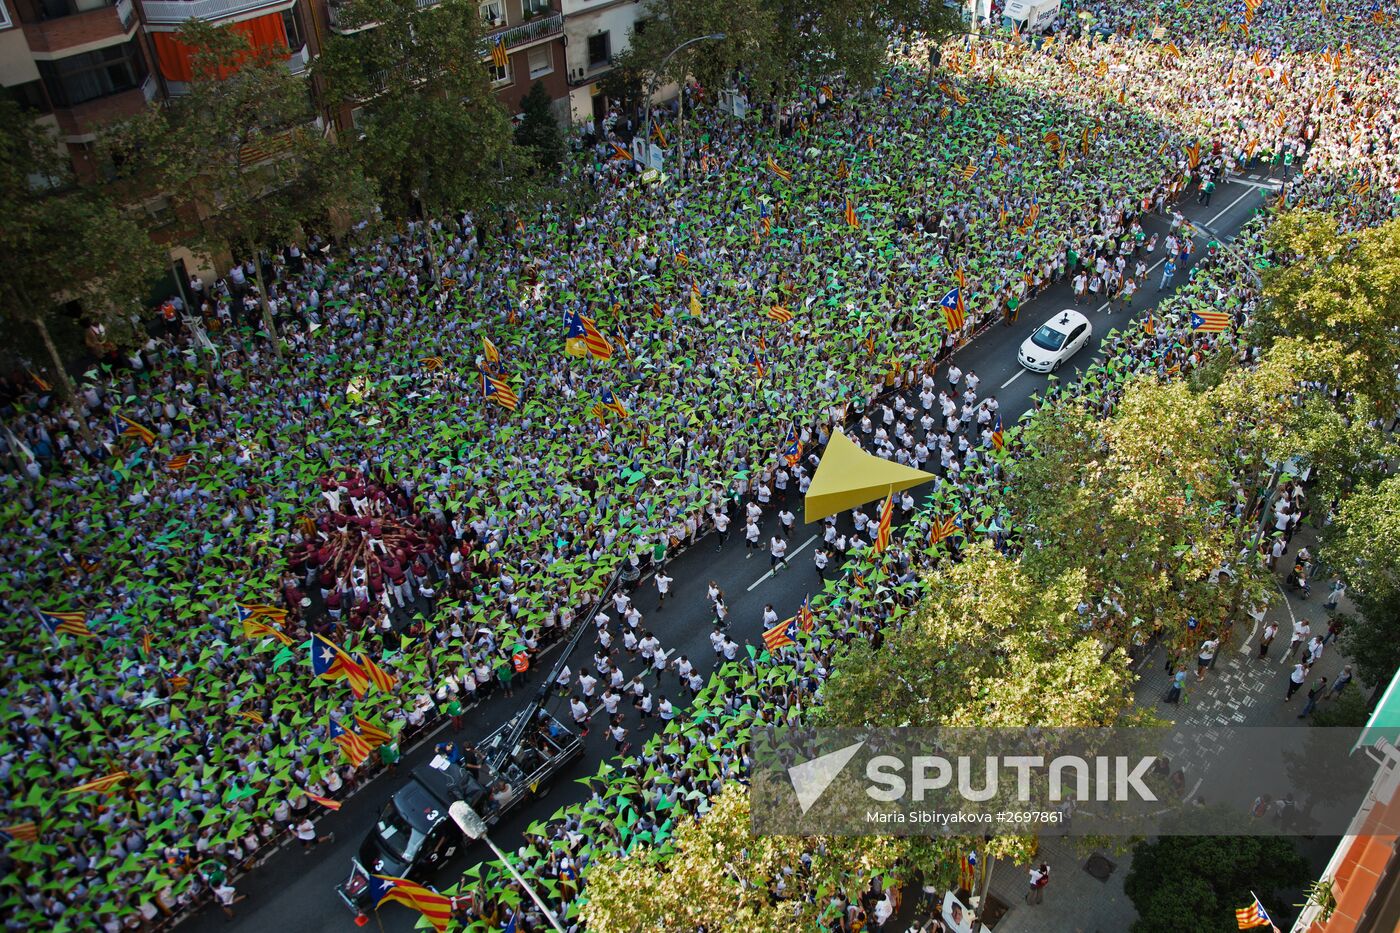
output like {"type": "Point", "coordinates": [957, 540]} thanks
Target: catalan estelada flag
{"type": "Point", "coordinates": [954, 311]}
{"type": "Point", "coordinates": [593, 340]}
{"type": "Point", "coordinates": [1253, 916]}
{"type": "Point", "coordinates": [125, 427]}
{"type": "Point", "coordinates": [377, 675]}
{"type": "Point", "coordinates": [1210, 322]}
{"type": "Point", "coordinates": [942, 530]}
{"type": "Point", "coordinates": [499, 391]}
{"type": "Point", "coordinates": [431, 363]}
{"type": "Point", "coordinates": [66, 623]}
{"type": "Point", "coordinates": [177, 463]}
{"type": "Point", "coordinates": [1193, 154]}
{"type": "Point", "coordinates": [619, 152]}
{"type": "Point", "coordinates": [970, 172]}
{"type": "Point", "coordinates": [499, 57]}
{"type": "Point", "coordinates": [757, 362]}
{"type": "Point", "coordinates": [998, 439]}
{"type": "Point", "coordinates": [105, 784]}
{"type": "Point", "coordinates": [610, 402]}
{"type": "Point", "coordinates": [260, 611]}
{"type": "Point", "coordinates": [695, 309]}
{"type": "Point", "coordinates": [882, 531]}
{"type": "Point", "coordinates": [371, 733]}
{"type": "Point", "coordinates": [436, 908]}
{"type": "Point", "coordinates": [792, 447]}
{"type": "Point", "coordinates": [493, 356]}
{"type": "Point", "coordinates": [255, 629]}
{"type": "Point", "coordinates": [778, 170]}
{"type": "Point", "coordinates": [967, 872]}
{"type": "Point", "coordinates": [780, 314]}
{"type": "Point", "coordinates": [1149, 325]}
{"type": "Point", "coordinates": [806, 620]}
{"type": "Point", "coordinates": [852, 220]}
{"type": "Point", "coordinates": [354, 746]}
{"type": "Point", "coordinates": [329, 661]}
{"type": "Point", "coordinates": [781, 635]}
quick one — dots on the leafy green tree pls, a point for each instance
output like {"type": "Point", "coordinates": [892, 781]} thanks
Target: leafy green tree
{"type": "Point", "coordinates": [63, 242]}
{"type": "Point", "coordinates": [624, 84]}
{"type": "Point", "coordinates": [242, 155]}
{"type": "Point", "coordinates": [1361, 546]}
{"type": "Point", "coordinates": [1342, 288]}
{"type": "Point", "coordinates": [781, 46]}
{"type": "Point", "coordinates": [1194, 884]}
{"type": "Point", "coordinates": [432, 136]}
{"type": "Point", "coordinates": [721, 877]}
{"type": "Point", "coordinates": [1144, 504]}
{"type": "Point", "coordinates": [539, 132]}
{"type": "Point", "coordinates": [989, 645]}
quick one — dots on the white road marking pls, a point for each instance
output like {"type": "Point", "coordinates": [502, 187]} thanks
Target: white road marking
{"type": "Point", "coordinates": [1271, 185]}
{"type": "Point", "coordinates": [794, 553]}
{"type": "Point", "coordinates": [1252, 175]}
{"type": "Point", "coordinates": [1019, 374]}
{"type": "Point", "coordinates": [1250, 193]}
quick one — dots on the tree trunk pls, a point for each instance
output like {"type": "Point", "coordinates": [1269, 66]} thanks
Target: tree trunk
{"type": "Point", "coordinates": [69, 391]}
{"type": "Point", "coordinates": [268, 322]}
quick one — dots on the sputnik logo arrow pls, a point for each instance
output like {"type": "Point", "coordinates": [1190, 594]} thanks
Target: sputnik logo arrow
{"type": "Point", "coordinates": [811, 778]}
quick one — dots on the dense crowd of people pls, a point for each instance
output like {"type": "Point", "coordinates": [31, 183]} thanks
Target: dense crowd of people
{"type": "Point", "coordinates": [351, 481]}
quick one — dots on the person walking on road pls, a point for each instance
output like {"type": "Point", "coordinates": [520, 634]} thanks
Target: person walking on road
{"type": "Point", "coordinates": [1296, 680]}
{"type": "Point", "coordinates": [1340, 684]}
{"type": "Point", "coordinates": [306, 833]}
{"type": "Point", "coordinates": [1206, 657]}
{"type": "Point", "coordinates": [1039, 879]}
{"type": "Point", "coordinates": [722, 529]}
{"type": "Point", "coordinates": [1315, 694]}
{"type": "Point", "coordinates": [663, 587]}
{"type": "Point", "coordinates": [1168, 272]}
{"type": "Point", "coordinates": [777, 547]}
{"type": "Point", "coordinates": [1267, 639]}
{"type": "Point", "coordinates": [820, 560]}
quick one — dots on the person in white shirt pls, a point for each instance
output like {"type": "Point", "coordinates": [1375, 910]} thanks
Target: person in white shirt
{"type": "Point", "coordinates": [663, 587]}
{"type": "Point", "coordinates": [722, 529]}
{"type": "Point", "coordinates": [786, 522]}
{"type": "Point", "coordinates": [777, 547]}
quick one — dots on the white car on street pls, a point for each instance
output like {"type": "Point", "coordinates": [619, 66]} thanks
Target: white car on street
{"type": "Point", "coordinates": [1055, 341]}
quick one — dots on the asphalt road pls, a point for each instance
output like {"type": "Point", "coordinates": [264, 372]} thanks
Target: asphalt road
{"type": "Point", "coordinates": [295, 891]}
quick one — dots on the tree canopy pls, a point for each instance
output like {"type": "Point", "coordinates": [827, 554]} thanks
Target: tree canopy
{"type": "Point", "coordinates": [1341, 289]}
{"type": "Point", "coordinates": [431, 136]}
{"type": "Point", "coordinates": [64, 242]}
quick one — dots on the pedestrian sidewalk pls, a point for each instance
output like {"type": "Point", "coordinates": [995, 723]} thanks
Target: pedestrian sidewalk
{"type": "Point", "coordinates": [1240, 690]}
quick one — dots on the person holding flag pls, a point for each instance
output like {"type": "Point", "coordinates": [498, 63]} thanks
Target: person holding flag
{"type": "Point", "coordinates": [882, 531]}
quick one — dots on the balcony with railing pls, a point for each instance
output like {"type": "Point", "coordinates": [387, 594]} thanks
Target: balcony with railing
{"type": "Point", "coordinates": [532, 30]}
{"type": "Point", "coordinates": [63, 24]}
{"type": "Point", "coordinates": [337, 15]}
{"type": "Point", "coordinates": [174, 12]}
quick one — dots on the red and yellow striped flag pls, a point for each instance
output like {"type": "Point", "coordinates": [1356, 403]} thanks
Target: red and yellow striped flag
{"type": "Point", "coordinates": [326, 802]}
{"type": "Point", "coordinates": [372, 734]}
{"type": "Point", "coordinates": [104, 784]}
{"type": "Point", "coordinates": [882, 533]}
{"type": "Point", "coordinates": [21, 832]}
{"type": "Point", "coordinates": [436, 908]}
{"type": "Point", "coordinates": [594, 340]}
{"type": "Point", "coordinates": [377, 675]}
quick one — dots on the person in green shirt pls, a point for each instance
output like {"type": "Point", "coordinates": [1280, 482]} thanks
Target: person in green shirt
{"type": "Point", "coordinates": [453, 708]}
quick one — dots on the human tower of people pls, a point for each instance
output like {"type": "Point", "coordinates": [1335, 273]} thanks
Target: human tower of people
{"type": "Point", "coordinates": [176, 534]}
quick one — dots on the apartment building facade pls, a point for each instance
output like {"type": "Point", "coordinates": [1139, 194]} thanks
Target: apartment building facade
{"type": "Point", "coordinates": [80, 64]}
{"type": "Point", "coordinates": [595, 33]}
{"type": "Point", "coordinates": [524, 43]}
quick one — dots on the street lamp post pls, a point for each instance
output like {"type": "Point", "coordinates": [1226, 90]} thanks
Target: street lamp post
{"type": "Point", "coordinates": [474, 827]}
{"type": "Point", "coordinates": [651, 89]}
